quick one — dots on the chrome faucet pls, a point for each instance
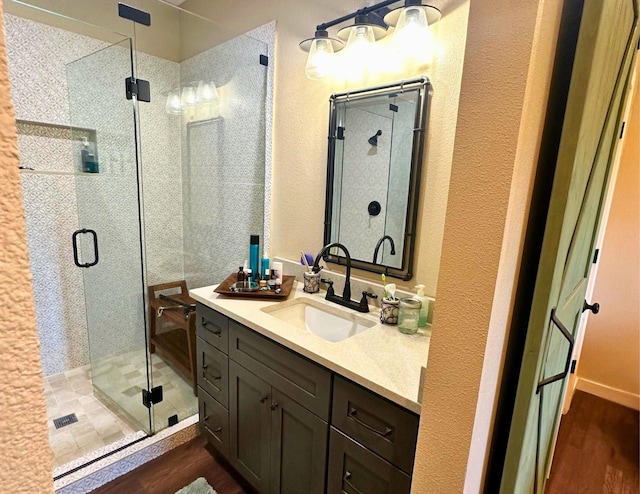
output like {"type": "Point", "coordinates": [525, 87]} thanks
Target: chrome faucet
{"type": "Point", "coordinates": [379, 244]}
{"type": "Point", "coordinates": [345, 299]}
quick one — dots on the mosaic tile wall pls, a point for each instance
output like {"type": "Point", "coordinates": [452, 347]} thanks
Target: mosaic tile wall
{"type": "Point", "coordinates": [224, 162]}
{"type": "Point", "coordinates": [38, 54]}
{"type": "Point", "coordinates": [208, 173]}
{"type": "Point", "coordinates": [368, 177]}
{"type": "Point", "coordinates": [55, 203]}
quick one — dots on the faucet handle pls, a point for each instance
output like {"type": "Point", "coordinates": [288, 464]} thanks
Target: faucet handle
{"type": "Point", "coordinates": [364, 303]}
{"type": "Point", "coordinates": [330, 283]}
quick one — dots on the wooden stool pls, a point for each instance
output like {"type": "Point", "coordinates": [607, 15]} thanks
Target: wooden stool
{"type": "Point", "coordinates": [178, 345]}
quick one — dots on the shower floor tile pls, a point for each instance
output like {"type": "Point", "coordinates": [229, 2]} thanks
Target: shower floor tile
{"type": "Point", "coordinates": [122, 379]}
{"type": "Point", "coordinates": [68, 393]}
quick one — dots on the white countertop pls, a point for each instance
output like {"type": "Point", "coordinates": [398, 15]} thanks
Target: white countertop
{"type": "Point", "coordinates": [381, 358]}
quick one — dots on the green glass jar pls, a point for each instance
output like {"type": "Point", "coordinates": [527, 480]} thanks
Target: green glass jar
{"type": "Point", "coordinates": [409, 316]}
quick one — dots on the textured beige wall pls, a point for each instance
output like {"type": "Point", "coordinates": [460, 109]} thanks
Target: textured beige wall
{"type": "Point", "coordinates": [530, 135]}
{"type": "Point", "coordinates": [24, 448]}
{"type": "Point", "coordinates": [611, 350]}
{"type": "Point", "coordinates": [504, 86]}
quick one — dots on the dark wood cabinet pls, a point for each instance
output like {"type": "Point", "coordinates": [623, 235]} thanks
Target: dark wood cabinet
{"type": "Point", "coordinates": [276, 444]}
{"type": "Point", "coordinates": [266, 409]}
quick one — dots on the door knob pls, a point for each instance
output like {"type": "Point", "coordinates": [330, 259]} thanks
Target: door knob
{"type": "Point", "coordinates": [595, 308]}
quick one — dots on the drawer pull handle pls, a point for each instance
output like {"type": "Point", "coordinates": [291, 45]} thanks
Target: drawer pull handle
{"type": "Point", "coordinates": [214, 431]}
{"type": "Point", "coordinates": [346, 478]}
{"type": "Point", "coordinates": [204, 421]}
{"type": "Point", "coordinates": [204, 366]}
{"type": "Point", "coordinates": [215, 331]}
{"type": "Point", "coordinates": [274, 405]}
{"type": "Point", "coordinates": [352, 414]}
{"type": "Point", "coordinates": [264, 399]}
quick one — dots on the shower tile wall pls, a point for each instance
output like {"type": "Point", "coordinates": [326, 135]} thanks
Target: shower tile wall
{"type": "Point", "coordinates": [364, 180]}
{"type": "Point", "coordinates": [224, 162]}
{"type": "Point", "coordinates": [162, 173]}
{"type": "Point", "coordinates": [369, 178]}
{"type": "Point", "coordinates": [38, 55]}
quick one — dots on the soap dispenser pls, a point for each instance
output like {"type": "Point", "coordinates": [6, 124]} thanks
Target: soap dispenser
{"type": "Point", "coordinates": [424, 310]}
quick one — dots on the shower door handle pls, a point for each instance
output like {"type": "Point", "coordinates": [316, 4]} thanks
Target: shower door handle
{"type": "Point", "coordinates": [74, 240]}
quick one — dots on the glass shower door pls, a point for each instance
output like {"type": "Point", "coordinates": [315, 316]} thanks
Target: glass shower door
{"type": "Point", "coordinates": [108, 245]}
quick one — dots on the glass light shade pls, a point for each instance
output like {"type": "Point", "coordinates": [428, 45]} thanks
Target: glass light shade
{"type": "Point", "coordinates": [172, 104]}
{"type": "Point", "coordinates": [412, 37]}
{"type": "Point", "coordinates": [360, 38]}
{"type": "Point", "coordinates": [188, 98]}
{"type": "Point", "coordinates": [206, 92]}
{"type": "Point", "coordinates": [358, 58]}
{"type": "Point", "coordinates": [320, 60]}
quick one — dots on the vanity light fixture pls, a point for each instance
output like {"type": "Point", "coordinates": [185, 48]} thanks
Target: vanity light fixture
{"type": "Point", "coordinates": [411, 34]}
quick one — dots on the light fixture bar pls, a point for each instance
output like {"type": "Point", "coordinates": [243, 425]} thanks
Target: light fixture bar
{"type": "Point", "coordinates": [363, 11]}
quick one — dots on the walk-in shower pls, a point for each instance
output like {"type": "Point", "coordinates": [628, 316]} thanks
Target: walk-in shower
{"type": "Point", "coordinates": [122, 194]}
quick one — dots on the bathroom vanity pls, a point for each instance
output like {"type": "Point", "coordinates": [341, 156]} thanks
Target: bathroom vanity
{"type": "Point", "coordinates": [294, 412]}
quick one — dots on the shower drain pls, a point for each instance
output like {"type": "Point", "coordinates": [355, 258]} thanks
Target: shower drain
{"type": "Point", "coordinates": [66, 420]}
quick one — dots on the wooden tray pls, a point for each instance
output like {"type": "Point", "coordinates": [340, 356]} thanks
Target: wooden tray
{"type": "Point", "coordinates": [224, 288]}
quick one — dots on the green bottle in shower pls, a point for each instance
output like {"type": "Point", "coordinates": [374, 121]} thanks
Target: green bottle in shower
{"type": "Point", "coordinates": [89, 162]}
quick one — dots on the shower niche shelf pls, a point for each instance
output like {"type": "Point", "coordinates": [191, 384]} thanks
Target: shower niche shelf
{"type": "Point", "coordinates": [44, 130]}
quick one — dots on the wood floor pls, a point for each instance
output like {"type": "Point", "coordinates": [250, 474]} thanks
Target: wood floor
{"type": "Point", "coordinates": [597, 452]}
{"type": "Point", "coordinates": [597, 449]}
{"type": "Point", "coordinates": [172, 471]}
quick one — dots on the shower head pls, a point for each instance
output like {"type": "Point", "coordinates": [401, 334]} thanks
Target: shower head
{"type": "Point", "coordinates": [373, 140]}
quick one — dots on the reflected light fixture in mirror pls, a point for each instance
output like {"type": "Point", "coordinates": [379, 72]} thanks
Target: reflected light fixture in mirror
{"type": "Point", "coordinates": [200, 96]}
{"type": "Point", "coordinates": [412, 37]}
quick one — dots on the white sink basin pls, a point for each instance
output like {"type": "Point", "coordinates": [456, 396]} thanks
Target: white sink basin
{"type": "Point", "coordinates": [330, 323]}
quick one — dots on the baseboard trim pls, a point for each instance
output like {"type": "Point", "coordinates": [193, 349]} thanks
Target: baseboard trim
{"type": "Point", "coordinates": [619, 396]}
{"type": "Point", "coordinates": [569, 393]}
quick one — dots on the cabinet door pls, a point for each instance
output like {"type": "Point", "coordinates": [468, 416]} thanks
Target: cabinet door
{"type": "Point", "coordinates": [353, 469]}
{"type": "Point", "coordinates": [250, 420]}
{"type": "Point", "coordinates": [298, 448]}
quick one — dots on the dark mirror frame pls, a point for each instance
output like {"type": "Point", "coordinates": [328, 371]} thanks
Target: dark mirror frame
{"type": "Point", "coordinates": [424, 88]}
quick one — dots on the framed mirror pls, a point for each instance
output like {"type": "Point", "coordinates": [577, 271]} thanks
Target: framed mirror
{"type": "Point", "coordinates": [376, 142]}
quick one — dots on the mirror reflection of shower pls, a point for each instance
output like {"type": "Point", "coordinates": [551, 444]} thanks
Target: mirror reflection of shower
{"type": "Point", "coordinates": [373, 141]}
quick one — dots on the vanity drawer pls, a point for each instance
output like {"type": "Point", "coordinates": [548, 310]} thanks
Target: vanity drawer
{"type": "Point", "coordinates": [214, 422]}
{"type": "Point", "coordinates": [385, 428]}
{"type": "Point", "coordinates": [353, 468]}
{"type": "Point", "coordinates": [212, 369]}
{"type": "Point", "coordinates": [212, 327]}
{"type": "Point", "coordinates": [300, 379]}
